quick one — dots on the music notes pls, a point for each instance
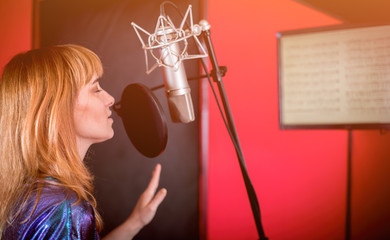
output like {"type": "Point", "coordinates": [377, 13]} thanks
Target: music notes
{"type": "Point", "coordinates": [336, 77]}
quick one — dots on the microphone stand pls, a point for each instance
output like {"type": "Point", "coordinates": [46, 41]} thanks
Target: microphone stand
{"type": "Point", "coordinates": [217, 74]}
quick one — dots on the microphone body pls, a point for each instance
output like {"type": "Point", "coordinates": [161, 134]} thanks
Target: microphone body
{"type": "Point", "coordinates": [166, 39]}
{"type": "Point", "coordinates": [177, 90]}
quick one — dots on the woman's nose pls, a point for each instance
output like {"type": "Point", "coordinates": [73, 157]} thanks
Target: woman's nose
{"type": "Point", "coordinates": [109, 100]}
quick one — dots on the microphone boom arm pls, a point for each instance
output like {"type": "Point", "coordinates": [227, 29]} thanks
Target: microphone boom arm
{"type": "Point", "coordinates": [217, 74]}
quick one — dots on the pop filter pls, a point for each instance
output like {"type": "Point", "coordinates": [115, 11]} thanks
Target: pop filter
{"type": "Point", "coordinates": [143, 119]}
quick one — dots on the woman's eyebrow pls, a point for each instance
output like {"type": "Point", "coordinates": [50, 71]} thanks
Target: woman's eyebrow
{"type": "Point", "coordinates": [95, 81]}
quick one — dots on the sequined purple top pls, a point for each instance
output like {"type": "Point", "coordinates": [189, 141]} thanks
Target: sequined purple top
{"type": "Point", "coordinates": [55, 217]}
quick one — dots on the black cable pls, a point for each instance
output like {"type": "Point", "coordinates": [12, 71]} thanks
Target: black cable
{"type": "Point", "coordinates": [219, 105]}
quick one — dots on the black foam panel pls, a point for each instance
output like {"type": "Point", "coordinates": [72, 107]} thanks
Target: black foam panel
{"type": "Point", "coordinates": [121, 171]}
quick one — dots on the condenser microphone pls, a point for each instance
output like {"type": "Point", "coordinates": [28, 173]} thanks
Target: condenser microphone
{"type": "Point", "coordinates": [168, 46]}
{"type": "Point", "coordinates": [177, 90]}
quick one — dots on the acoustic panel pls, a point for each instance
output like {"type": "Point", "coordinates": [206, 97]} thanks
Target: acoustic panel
{"type": "Point", "coordinates": [121, 172]}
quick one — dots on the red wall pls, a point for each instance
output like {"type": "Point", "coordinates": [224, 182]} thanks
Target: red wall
{"type": "Point", "coordinates": [299, 176]}
{"type": "Point", "coordinates": [15, 27]}
{"type": "Point", "coordinates": [370, 185]}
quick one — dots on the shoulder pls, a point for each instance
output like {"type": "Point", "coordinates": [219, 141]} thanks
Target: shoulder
{"type": "Point", "coordinates": [57, 215]}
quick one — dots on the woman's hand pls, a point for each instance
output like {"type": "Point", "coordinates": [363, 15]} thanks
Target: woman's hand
{"type": "Point", "coordinates": [144, 210]}
{"type": "Point", "coordinates": [149, 201]}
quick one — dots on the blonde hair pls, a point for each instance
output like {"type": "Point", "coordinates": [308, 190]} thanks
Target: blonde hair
{"type": "Point", "coordinates": [38, 89]}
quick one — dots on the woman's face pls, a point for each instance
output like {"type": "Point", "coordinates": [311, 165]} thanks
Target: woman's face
{"type": "Point", "coordinates": [92, 114]}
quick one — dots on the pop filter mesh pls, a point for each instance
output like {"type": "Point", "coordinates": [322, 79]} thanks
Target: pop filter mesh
{"type": "Point", "coordinates": [143, 119]}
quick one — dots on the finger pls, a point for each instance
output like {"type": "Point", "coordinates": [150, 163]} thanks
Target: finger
{"type": "Point", "coordinates": [154, 181]}
{"type": "Point", "coordinates": [157, 200]}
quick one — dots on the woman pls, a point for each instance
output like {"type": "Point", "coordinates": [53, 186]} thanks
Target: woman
{"type": "Point", "coordinates": [52, 109]}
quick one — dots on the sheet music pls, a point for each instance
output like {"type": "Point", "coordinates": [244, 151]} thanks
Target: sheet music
{"type": "Point", "coordinates": [336, 77]}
